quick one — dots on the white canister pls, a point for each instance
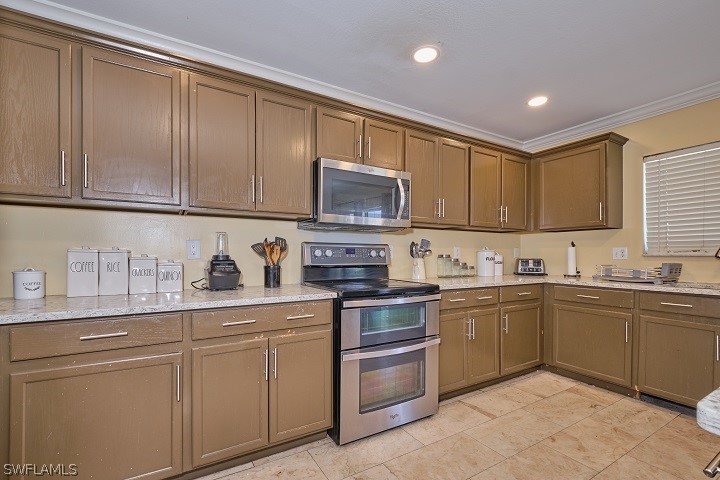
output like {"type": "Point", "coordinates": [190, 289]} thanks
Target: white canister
{"type": "Point", "coordinates": [82, 272]}
{"type": "Point", "coordinates": [143, 274]}
{"type": "Point", "coordinates": [28, 283]}
{"type": "Point", "coordinates": [169, 276]}
{"type": "Point", "coordinates": [486, 262]}
{"type": "Point", "coordinates": [498, 265]}
{"type": "Point", "coordinates": [113, 271]}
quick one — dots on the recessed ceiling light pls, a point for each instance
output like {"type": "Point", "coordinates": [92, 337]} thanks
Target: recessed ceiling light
{"type": "Point", "coordinates": [537, 101]}
{"type": "Point", "coordinates": [426, 54]}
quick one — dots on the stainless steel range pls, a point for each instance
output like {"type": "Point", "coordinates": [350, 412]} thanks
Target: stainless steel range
{"type": "Point", "coordinates": [385, 342]}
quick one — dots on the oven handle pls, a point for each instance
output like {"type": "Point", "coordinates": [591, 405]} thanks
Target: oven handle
{"type": "Point", "coordinates": [381, 302]}
{"type": "Point", "coordinates": [348, 357]}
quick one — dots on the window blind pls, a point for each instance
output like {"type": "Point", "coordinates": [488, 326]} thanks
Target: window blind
{"type": "Point", "coordinates": [681, 197]}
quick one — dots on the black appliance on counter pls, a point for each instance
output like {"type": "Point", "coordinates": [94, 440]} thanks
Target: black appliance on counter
{"type": "Point", "coordinates": [222, 273]}
{"type": "Point", "coordinates": [385, 339]}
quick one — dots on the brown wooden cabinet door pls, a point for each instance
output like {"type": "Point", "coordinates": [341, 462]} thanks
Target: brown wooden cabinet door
{"type": "Point", "coordinates": [35, 106]}
{"type": "Point", "coordinates": [519, 338]}
{"type": "Point", "coordinates": [384, 146]}
{"type": "Point", "coordinates": [114, 420]}
{"type": "Point", "coordinates": [678, 360]}
{"type": "Point", "coordinates": [483, 345]}
{"type": "Point", "coordinates": [572, 189]}
{"type": "Point", "coordinates": [421, 159]}
{"type": "Point", "coordinates": [453, 174]}
{"type": "Point", "coordinates": [514, 192]}
{"type": "Point", "coordinates": [229, 400]}
{"type": "Point", "coordinates": [485, 187]}
{"type": "Point", "coordinates": [338, 135]}
{"type": "Point", "coordinates": [131, 129]}
{"type": "Point", "coordinates": [222, 144]}
{"type": "Point", "coordinates": [454, 330]}
{"type": "Point", "coordinates": [283, 154]}
{"type": "Point", "coordinates": [300, 384]}
{"type": "Point", "coordinates": [593, 342]}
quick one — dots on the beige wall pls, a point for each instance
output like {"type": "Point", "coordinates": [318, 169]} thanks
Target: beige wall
{"type": "Point", "coordinates": [38, 237]}
{"type": "Point", "coordinates": [682, 128]}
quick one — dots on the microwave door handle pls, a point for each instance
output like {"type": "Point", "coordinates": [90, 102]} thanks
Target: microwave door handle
{"type": "Point", "coordinates": [347, 357]}
{"type": "Point", "coordinates": [402, 199]}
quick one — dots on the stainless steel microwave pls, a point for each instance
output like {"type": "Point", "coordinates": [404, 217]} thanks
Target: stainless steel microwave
{"type": "Point", "coordinates": [350, 196]}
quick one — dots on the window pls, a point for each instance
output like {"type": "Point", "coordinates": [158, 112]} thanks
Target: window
{"type": "Point", "coordinates": [681, 199]}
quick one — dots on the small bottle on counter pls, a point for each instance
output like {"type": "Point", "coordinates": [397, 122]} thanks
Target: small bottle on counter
{"type": "Point", "coordinates": [464, 269]}
{"type": "Point", "coordinates": [442, 265]}
{"type": "Point", "coordinates": [455, 267]}
{"type": "Point", "coordinates": [471, 271]}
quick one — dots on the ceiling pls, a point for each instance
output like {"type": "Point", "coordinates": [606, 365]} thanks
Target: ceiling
{"type": "Point", "coordinates": [601, 63]}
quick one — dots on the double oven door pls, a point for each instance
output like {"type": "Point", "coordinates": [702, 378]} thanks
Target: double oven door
{"type": "Point", "coordinates": [388, 363]}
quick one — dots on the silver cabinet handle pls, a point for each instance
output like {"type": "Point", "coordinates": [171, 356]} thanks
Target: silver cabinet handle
{"type": "Point", "coordinates": [456, 300]}
{"type": "Point", "coordinates": [627, 332]}
{"type": "Point", "coordinates": [177, 375]}
{"type": "Point", "coordinates": [241, 322]}
{"type": "Point", "coordinates": [85, 169]}
{"type": "Point", "coordinates": [104, 335]}
{"type": "Point", "coordinates": [469, 330]}
{"type": "Point", "coordinates": [252, 186]}
{"type": "Point", "coordinates": [261, 189]}
{"type": "Point", "coordinates": [299, 317]}
{"type": "Point", "coordinates": [443, 208]}
{"type": "Point", "coordinates": [521, 294]}
{"type": "Point", "coordinates": [506, 214]}
{"type": "Point", "coordinates": [713, 467]}
{"type": "Point", "coordinates": [501, 214]}
{"type": "Point", "coordinates": [686, 305]}
{"type": "Point", "coordinates": [601, 212]}
{"type": "Point", "coordinates": [62, 168]}
{"type": "Point", "coordinates": [267, 363]}
{"type": "Point", "coordinates": [369, 146]}
{"type": "Point", "coordinates": [489, 297]}
{"type": "Point", "coordinates": [275, 362]}
{"type": "Point", "coordinates": [717, 348]}
{"type": "Point", "coordinates": [361, 146]}
{"type": "Point", "coordinates": [507, 324]}
{"type": "Point", "coordinates": [588, 296]}
{"type": "Point", "coordinates": [347, 357]}
{"type": "Point", "coordinates": [473, 329]}
{"type": "Point", "coordinates": [438, 208]}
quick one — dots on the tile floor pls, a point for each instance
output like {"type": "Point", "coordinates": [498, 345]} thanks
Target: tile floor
{"type": "Point", "coordinates": [539, 426]}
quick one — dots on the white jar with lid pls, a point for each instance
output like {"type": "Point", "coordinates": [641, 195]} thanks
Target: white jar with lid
{"type": "Point", "coordinates": [486, 262]}
{"type": "Point", "coordinates": [498, 265]}
{"type": "Point", "coordinates": [169, 276]}
{"type": "Point", "coordinates": [113, 271]}
{"type": "Point", "coordinates": [143, 274]}
{"type": "Point", "coordinates": [82, 272]}
{"type": "Point", "coordinates": [28, 283]}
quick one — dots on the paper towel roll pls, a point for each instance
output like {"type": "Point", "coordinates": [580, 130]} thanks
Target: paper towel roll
{"type": "Point", "coordinates": [571, 260]}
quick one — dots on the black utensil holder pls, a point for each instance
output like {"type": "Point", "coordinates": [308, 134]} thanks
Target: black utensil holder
{"type": "Point", "coordinates": [272, 276]}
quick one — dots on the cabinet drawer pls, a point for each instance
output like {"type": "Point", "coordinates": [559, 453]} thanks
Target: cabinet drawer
{"type": "Point", "coordinates": [520, 292]}
{"type": "Point", "coordinates": [471, 297]}
{"type": "Point", "coordinates": [236, 321]}
{"type": "Point", "coordinates": [595, 296]}
{"type": "Point", "coordinates": [687, 304]}
{"type": "Point", "coordinates": [67, 338]}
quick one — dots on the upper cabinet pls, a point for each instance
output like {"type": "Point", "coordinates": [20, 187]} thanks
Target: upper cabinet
{"type": "Point", "coordinates": [498, 190]}
{"type": "Point", "coordinates": [439, 169]}
{"type": "Point", "coordinates": [579, 186]}
{"type": "Point", "coordinates": [35, 146]}
{"type": "Point", "coordinates": [131, 129]}
{"type": "Point", "coordinates": [222, 144]}
{"type": "Point", "coordinates": [353, 138]}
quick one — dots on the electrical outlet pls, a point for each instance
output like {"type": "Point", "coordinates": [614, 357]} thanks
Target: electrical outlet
{"type": "Point", "coordinates": [456, 252]}
{"type": "Point", "coordinates": [193, 249]}
{"type": "Point", "coordinates": [516, 252]}
{"type": "Point", "coordinates": [620, 253]}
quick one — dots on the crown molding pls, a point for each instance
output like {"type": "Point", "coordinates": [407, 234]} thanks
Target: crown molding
{"type": "Point", "coordinates": [610, 122]}
{"type": "Point", "coordinates": [105, 26]}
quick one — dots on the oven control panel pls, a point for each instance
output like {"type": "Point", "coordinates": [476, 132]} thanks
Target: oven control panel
{"type": "Point", "coordinates": [331, 254]}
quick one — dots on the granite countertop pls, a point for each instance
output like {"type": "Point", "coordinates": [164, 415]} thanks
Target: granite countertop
{"type": "Point", "coordinates": [708, 412]}
{"type": "Point", "coordinates": [58, 307]}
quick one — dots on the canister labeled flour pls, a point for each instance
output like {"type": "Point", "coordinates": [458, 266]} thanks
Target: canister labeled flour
{"type": "Point", "coordinates": [486, 262]}
{"type": "Point", "coordinates": [82, 272]}
{"type": "Point", "coordinates": [113, 271]}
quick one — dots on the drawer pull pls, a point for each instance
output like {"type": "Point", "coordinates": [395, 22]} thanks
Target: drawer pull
{"type": "Point", "coordinates": [524, 293]}
{"type": "Point", "coordinates": [241, 322]}
{"type": "Point", "coordinates": [456, 300]}
{"type": "Point", "coordinates": [300, 317]}
{"type": "Point", "coordinates": [588, 296]}
{"type": "Point", "coordinates": [104, 335]}
{"type": "Point", "coordinates": [686, 305]}
{"type": "Point", "coordinates": [489, 297]}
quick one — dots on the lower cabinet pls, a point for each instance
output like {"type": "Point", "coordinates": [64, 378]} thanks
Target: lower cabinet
{"type": "Point", "coordinates": [116, 419]}
{"type": "Point", "coordinates": [520, 337]}
{"type": "Point", "coordinates": [678, 360]}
